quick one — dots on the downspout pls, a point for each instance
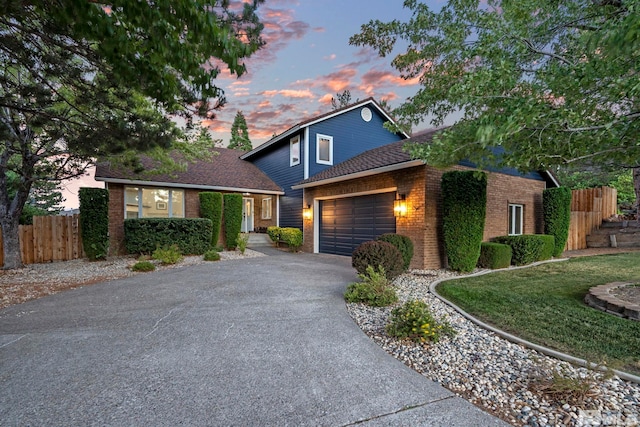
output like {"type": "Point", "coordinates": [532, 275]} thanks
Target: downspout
{"type": "Point", "coordinates": [306, 152]}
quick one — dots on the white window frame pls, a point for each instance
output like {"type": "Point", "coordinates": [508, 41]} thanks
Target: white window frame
{"type": "Point", "coordinates": [169, 203]}
{"type": "Point", "coordinates": [320, 137]}
{"type": "Point", "coordinates": [292, 142]}
{"type": "Point", "coordinates": [513, 217]}
{"type": "Point", "coordinates": [266, 208]}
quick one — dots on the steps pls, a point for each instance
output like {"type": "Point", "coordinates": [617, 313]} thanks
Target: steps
{"type": "Point", "coordinates": [623, 234]}
{"type": "Point", "coordinates": [258, 239]}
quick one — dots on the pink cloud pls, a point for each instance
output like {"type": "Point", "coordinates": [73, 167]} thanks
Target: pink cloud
{"type": "Point", "coordinates": [326, 99]}
{"type": "Point", "coordinates": [288, 93]}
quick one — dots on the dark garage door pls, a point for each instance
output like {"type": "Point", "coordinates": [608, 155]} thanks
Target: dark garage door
{"type": "Point", "coordinates": [347, 222]}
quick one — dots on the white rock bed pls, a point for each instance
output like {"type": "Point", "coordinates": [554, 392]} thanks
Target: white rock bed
{"type": "Point", "coordinates": [493, 373]}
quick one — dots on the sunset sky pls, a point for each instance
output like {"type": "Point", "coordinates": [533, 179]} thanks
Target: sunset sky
{"type": "Point", "coordinates": [306, 61]}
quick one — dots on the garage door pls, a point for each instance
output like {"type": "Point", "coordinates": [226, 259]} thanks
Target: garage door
{"type": "Point", "coordinates": [347, 222]}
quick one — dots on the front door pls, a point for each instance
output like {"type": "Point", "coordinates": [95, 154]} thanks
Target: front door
{"type": "Point", "coordinates": [247, 215]}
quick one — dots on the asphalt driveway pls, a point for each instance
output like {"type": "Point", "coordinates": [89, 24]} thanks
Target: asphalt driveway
{"type": "Point", "coordinates": [261, 341]}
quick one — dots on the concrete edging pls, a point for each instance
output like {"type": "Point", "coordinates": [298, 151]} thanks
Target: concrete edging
{"type": "Point", "coordinates": [518, 340]}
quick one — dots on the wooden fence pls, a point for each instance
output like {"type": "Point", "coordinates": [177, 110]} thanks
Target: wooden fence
{"type": "Point", "coordinates": [50, 238]}
{"type": "Point", "coordinates": [588, 208]}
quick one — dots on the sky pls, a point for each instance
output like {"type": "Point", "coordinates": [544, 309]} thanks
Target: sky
{"type": "Point", "coordinates": [307, 59]}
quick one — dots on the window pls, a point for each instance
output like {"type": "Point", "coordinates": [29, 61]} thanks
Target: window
{"type": "Point", "coordinates": [324, 149]}
{"type": "Point", "coordinates": [153, 203]}
{"type": "Point", "coordinates": [266, 208]}
{"type": "Point", "coordinates": [294, 151]}
{"type": "Point", "coordinates": [515, 220]}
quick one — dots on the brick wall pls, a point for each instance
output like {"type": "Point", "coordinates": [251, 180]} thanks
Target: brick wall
{"type": "Point", "coordinates": [423, 222]}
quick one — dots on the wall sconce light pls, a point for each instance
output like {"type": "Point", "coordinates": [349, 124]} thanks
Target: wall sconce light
{"type": "Point", "coordinates": [307, 213]}
{"type": "Point", "coordinates": [400, 206]}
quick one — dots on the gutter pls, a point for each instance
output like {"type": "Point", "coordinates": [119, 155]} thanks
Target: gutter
{"type": "Point", "coordinates": [189, 186]}
{"type": "Point", "coordinates": [545, 350]}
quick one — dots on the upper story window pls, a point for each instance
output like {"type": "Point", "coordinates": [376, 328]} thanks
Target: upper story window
{"type": "Point", "coordinates": [142, 202]}
{"type": "Point", "coordinates": [294, 151]}
{"type": "Point", "coordinates": [266, 208]}
{"type": "Point", "coordinates": [515, 219]}
{"type": "Point", "coordinates": [324, 149]}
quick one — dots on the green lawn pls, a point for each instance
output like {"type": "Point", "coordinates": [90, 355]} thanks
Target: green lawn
{"type": "Point", "coordinates": [545, 305]}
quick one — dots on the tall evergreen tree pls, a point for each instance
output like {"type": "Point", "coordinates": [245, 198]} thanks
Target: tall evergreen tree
{"type": "Point", "coordinates": [240, 134]}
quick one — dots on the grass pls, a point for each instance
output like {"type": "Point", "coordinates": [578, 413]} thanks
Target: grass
{"type": "Point", "coordinates": [545, 305]}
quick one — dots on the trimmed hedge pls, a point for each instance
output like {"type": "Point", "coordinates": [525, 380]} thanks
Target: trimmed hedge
{"type": "Point", "coordinates": [232, 217]}
{"type": "Point", "coordinates": [292, 237]}
{"type": "Point", "coordinates": [94, 222]}
{"type": "Point", "coordinates": [556, 207]}
{"type": "Point", "coordinates": [378, 254]}
{"type": "Point", "coordinates": [402, 243]}
{"type": "Point", "coordinates": [494, 255]}
{"type": "Point", "coordinates": [144, 235]}
{"type": "Point", "coordinates": [464, 204]}
{"type": "Point", "coordinates": [548, 247]}
{"type": "Point", "coordinates": [211, 208]}
{"type": "Point", "coordinates": [528, 248]}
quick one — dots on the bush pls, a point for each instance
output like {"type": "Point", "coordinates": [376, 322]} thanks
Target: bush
{"type": "Point", "coordinates": [556, 206]}
{"type": "Point", "coordinates": [374, 290]}
{"type": "Point", "coordinates": [144, 235]}
{"type": "Point", "coordinates": [143, 266]}
{"type": "Point", "coordinates": [243, 241]}
{"type": "Point", "coordinates": [548, 246]}
{"type": "Point", "coordinates": [292, 237]}
{"type": "Point", "coordinates": [528, 248]}
{"type": "Point", "coordinates": [464, 203]}
{"type": "Point", "coordinates": [414, 321]}
{"type": "Point", "coordinates": [402, 243]}
{"type": "Point", "coordinates": [211, 208]}
{"type": "Point", "coordinates": [378, 254]}
{"type": "Point", "coordinates": [494, 255]}
{"type": "Point", "coordinates": [168, 254]}
{"type": "Point", "coordinates": [94, 222]}
{"type": "Point", "coordinates": [232, 219]}
{"type": "Point", "coordinates": [211, 255]}
{"type": "Point", "coordinates": [274, 234]}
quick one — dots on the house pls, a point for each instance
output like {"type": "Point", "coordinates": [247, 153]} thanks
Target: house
{"type": "Point", "coordinates": [353, 202]}
{"type": "Point", "coordinates": [134, 195]}
{"type": "Point", "coordinates": [317, 144]}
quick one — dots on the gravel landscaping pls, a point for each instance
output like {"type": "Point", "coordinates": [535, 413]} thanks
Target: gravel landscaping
{"type": "Point", "coordinates": [519, 385]}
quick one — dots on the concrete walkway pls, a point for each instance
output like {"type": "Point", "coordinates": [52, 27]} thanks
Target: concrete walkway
{"type": "Point", "coordinates": [262, 341]}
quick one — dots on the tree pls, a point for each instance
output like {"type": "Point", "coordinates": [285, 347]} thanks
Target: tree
{"type": "Point", "coordinates": [75, 71]}
{"type": "Point", "coordinates": [240, 134]}
{"type": "Point", "coordinates": [538, 84]}
{"type": "Point", "coordinates": [341, 100]}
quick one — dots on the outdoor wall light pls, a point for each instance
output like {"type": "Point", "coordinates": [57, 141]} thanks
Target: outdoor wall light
{"type": "Point", "coordinates": [400, 206]}
{"type": "Point", "coordinates": [307, 213]}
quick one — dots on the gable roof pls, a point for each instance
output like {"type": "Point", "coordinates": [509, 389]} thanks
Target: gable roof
{"type": "Point", "coordinates": [224, 171]}
{"type": "Point", "coordinates": [387, 158]}
{"type": "Point", "coordinates": [306, 123]}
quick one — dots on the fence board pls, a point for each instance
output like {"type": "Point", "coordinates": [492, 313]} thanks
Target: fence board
{"type": "Point", "coordinates": [588, 208]}
{"type": "Point", "coordinates": [50, 238]}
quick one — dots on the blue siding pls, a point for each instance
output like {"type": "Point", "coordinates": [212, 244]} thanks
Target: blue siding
{"type": "Point", "coordinates": [351, 136]}
{"type": "Point", "coordinates": [291, 209]}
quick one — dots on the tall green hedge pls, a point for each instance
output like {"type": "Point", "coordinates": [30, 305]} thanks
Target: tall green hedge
{"type": "Point", "coordinates": [232, 216]}
{"type": "Point", "coordinates": [556, 204]}
{"type": "Point", "coordinates": [464, 205]}
{"type": "Point", "coordinates": [94, 222]}
{"type": "Point", "coordinates": [211, 208]}
{"type": "Point", "coordinates": [144, 235]}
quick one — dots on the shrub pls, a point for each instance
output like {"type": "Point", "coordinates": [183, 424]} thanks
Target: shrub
{"type": "Point", "coordinates": [211, 255]}
{"type": "Point", "coordinates": [414, 321]}
{"type": "Point", "coordinates": [211, 208]}
{"type": "Point", "coordinates": [243, 241]}
{"type": "Point", "coordinates": [464, 202]}
{"type": "Point", "coordinates": [144, 235]}
{"type": "Point", "coordinates": [232, 219]}
{"type": "Point", "coordinates": [556, 207]}
{"type": "Point", "coordinates": [527, 248]}
{"type": "Point", "coordinates": [94, 222]}
{"type": "Point", "coordinates": [143, 266]}
{"type": "Point", "coordinates": [402, 243]}
{"type": "Point", "coordinates": [378, 254]}
{"type": "Point", "coordinates": [548, 247]}
{"type": "Point", "coordinates": [374, 290]}
{"type": "Point", "coordinates": [168, 254]}
{"type": "Point", "coordinates": [274, 234]}
{"type": "Point", "coordinates": [494, 255]}
{"type": "Point", "coordinates": [292, 237]}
